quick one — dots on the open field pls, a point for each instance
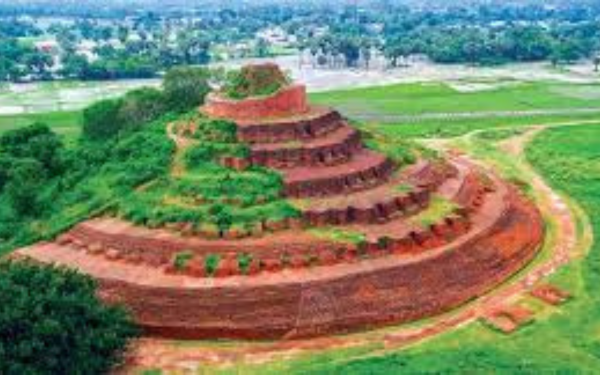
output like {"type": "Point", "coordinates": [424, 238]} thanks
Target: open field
{"type": "Point", "coordinates": [420, 110]}
{"type": "Point", "coordinates": [67, 123]}
{"type": "Point", "coordinates": [419, 98]}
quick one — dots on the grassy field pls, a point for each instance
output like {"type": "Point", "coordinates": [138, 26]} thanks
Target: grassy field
{"type": "Point", "coordinates": [440, 98]}
{"type": "Point", "coordinates": [415, 99]}
{"type": "Point", "coordinates": [66, 123]}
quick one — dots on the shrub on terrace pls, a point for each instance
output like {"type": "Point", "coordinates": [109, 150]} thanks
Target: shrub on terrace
{"type": "Point", "coordinates": [255, 80]}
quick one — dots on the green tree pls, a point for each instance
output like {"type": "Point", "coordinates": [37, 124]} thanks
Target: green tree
{"type": "Point", "coordinates": [75, 66]}
{"type": "Point", "coordinates": [51, 322]}
{"type": "Point", "coordinates": [261, 48]}
{"type": "Point", "coordinates": [186, 87]}
{"type": "Point", "coordinates": [101, 120]}
{"type": "Point", "coordinates": [37, 142]}
{"type": "Point", "coordinates": [141, 106]}
{"type": "Point", "coordinates": [24, 180]}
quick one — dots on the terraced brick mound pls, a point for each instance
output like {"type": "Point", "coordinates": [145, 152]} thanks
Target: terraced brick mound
{"type": "Point", "coordinates": [375, 242]}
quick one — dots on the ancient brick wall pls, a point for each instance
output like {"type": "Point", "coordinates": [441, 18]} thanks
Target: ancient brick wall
{"type": "Point", "coordinates": [286, 102]}
{"type": "Point", "coordinates": [352, 180]}
{"type": "Point", "coordinates": [338, 151]}
{"type": "Point", "coordinates": [317, 123]}
{"type": "Point", "coordinates": [372, 294]}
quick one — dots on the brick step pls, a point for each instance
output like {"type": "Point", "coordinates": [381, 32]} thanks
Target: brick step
{"type": "Point", "coordinates": [365, 170]}
{"type": "Point", "coordinates": [316, 123]}
{"type": "Point", "coordinates": [157, 247]}
{"type": "Point", "coordinates": [490, 205]}
{"type": "Point", "coordinates": [334, 148]}
{"type": "Point", "coordinates": [385, 202]}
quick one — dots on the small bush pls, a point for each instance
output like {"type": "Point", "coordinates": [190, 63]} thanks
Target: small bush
{"type": "Point", "coordinates": [244, 261]}
{"type": "Point", "coordinates": [211, 263]}
{"type": "Point", "coordinates": [182, 260]}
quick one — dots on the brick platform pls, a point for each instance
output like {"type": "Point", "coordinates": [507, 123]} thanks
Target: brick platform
{"type": "Point", "coordinates": [319, 301]}
{"type": "Point", "coordinates": [299, 283]}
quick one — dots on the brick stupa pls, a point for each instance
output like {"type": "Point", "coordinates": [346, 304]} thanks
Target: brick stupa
{"type": "Point", "coordinates": [299, 284]}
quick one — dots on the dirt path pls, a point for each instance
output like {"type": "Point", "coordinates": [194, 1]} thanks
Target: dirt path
{"type": "Point", "coordinates": [564, 244]}
{"type": "Point", "coordinates": [181, 144]}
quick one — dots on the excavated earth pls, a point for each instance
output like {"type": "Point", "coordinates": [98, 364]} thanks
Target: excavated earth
{"type": "Point", "coordinates": [299, 283]}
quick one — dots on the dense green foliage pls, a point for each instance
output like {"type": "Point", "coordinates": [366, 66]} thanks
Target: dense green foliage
{"type": "Point", "coordinates": [51, 322]}
{"type": "Point", "coordinates": [183, 89]}
{"type": "Point", "coordinates": [115, 54]}
{"type": "Point", "coordinates": [186, 87]}
{"type": "Point", "coordinates": [101, 120]}
{"type": "Point", "coordinates": [115, 41]}
{"type": "Point", "coordinates": [207, 195]}
{"type": "Point", "coordinates": [510, 43]}
{"type": "Point", "coordinates": [47, 187]}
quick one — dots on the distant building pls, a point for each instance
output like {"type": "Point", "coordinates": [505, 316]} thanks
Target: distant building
{"type": "Point", "coordinates": [49, 46]}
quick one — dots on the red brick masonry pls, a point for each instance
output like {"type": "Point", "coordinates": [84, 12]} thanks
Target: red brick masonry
{"type": "Point", "coordinates": [299, 284]}
{"type": "Point", "coordinates": [324, 300]}
{"type": "Point", "coordinates": [288, 101]}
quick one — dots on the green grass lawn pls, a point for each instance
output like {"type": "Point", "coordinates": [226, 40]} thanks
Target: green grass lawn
{"type": "Point", "coordinates": [410, 99]}
{"type": "Point", "coordinates": [65, 123]}
{"type": "Point", "coordinates": [446, 129]}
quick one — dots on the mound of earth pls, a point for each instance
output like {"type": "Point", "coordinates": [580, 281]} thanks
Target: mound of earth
{"type": "Point", "coordinates": [357, 240]}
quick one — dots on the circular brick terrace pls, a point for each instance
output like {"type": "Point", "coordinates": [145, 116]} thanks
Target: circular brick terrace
{"type": "Point", "coordinates": [321, 300]}
{"type": "Point", "coordinates": [400, 273]}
